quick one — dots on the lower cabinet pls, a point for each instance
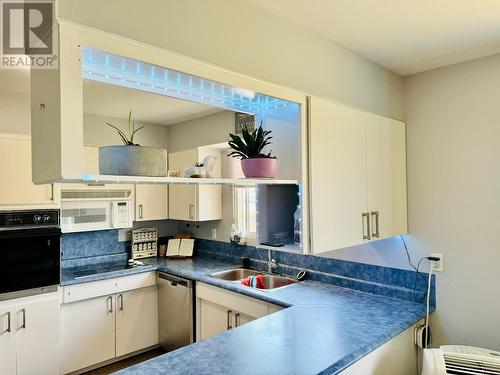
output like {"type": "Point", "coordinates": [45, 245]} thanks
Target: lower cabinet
{"type": "Point", "coordinates": [219, 310]}
{"type": "Point", "coordinates": [29, 336]}
{"type": "Point", "coordinates": [96, 329]}
{"type": "Point", "coordinates": [87, 333]}
{"type": "Point", "coordinates": [136, 320]}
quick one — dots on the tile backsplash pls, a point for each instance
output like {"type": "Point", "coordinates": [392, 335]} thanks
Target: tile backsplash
{"type": "Point", "coordinates": [92, 247]}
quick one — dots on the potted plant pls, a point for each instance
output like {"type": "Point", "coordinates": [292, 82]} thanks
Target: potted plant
{"type": "Point", "coordinates": [248, 147]}
{"type": "Point", "coordinates": [131, 159]}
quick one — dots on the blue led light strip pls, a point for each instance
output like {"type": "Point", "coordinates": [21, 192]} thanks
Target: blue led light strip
{"type": "Point", "coordinates": [105, 67]}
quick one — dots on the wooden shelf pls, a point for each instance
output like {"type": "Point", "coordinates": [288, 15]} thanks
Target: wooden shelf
{"type": "Point", "coordinates": [109, 179]}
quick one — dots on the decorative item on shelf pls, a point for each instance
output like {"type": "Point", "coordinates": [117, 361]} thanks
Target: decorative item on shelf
{"type": "Point", "coordinates": [297, 230]}
{"type": "Point", "coordinates": [204, 169]}
{"type": "Point", "coordinates": [236, 236]}
{"type": "Point", "coordinates": [144, 243]}
{"type": "Point", "coordinates": [181, 246]}
{"type": "Point", "coordinates": [173, 173]}
{"type": "Point", "coordinates": [248, 147]}
{"type": "Point", "coordinates": [131, 159]}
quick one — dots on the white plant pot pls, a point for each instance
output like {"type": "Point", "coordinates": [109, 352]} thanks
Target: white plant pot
{"type": "Point", "coordinates": [132, 161]}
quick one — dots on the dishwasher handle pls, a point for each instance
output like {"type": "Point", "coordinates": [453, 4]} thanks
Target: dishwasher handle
{"type": "Point", "coordinates": [176, 280]}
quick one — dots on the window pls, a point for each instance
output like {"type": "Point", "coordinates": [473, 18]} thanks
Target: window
{"type": "Point", "coordinates": [244, 205]}
{"type": "Point", "coordinates": [245, 210]}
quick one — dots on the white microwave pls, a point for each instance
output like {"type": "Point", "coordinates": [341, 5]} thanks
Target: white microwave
{"type": "Point", "coordinates": [85, 211]}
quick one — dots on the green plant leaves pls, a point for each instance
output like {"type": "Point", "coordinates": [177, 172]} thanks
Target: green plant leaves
{"type": "Point", "coordinates": [127, 140]}
{"type": "Point", "coordinates": [250, 145]}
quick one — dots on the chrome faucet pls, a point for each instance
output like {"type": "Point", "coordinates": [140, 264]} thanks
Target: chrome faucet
{"type": "Point", "coordinates": [271, 263]}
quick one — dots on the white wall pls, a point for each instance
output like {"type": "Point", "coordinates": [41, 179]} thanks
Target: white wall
{"type": "Point", "coordinates": [453, 117]}
{"type": "Point", "coordinates": [242, 37]}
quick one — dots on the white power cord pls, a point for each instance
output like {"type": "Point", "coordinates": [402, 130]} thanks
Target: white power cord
{"type": "Point", "coordinates": [428, 306]}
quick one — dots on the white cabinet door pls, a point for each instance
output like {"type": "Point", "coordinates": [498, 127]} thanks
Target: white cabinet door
{"type": "Point", "coordinates": [213, 319]}
{"type": "Point", "coordinates": [240, 319]}
{"type": "Point", "coordinates": [386, 169]}
{"type": "Point", "coordinates": [38, 337]}
{"type": "Point", "coordinates": [151, 202]}
{"type": "Point", "coordinates": [338, 175]}
{"type": "Point", "coordinates": [182, 199]}
{"type": "Point", "coordinates": [17, 188]}
{"type": "Point", "coordinates": [136, 320]}
{"type": "Point", "coordinates": [7, 341]}
{"type": "Point", "coordinates": [87, 332]}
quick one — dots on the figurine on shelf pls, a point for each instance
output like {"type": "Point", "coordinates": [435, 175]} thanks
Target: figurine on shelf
{"type": "Point", "coordinates": [236, 236]}
{"type": "Point", "coordinates": [204, 169]}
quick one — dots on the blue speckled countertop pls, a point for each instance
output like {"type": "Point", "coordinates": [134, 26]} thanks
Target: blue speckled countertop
{"type": "Point", "coordinates": [324, 329]}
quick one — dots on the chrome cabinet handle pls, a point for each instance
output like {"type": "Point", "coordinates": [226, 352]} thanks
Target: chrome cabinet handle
{"type": "Point", "coordinates": [109, 301]}
{"type": "Point", "coordinates": [23, 312]}
{"type": "Point", "coordinates": [191, 208]}
{"type": "Point", "coordinates": [366, 215]}
{"type": "Point", "coordinates": [376, 234]}
{"type": "Point", "coordinates": [237, 319]}
{"type": "Point", "coordinates": [120, 299]}
{"type": "Point", "coordinates": [140, 211]}
{"type": "Point", "coordinates": [8, 323]}
{"type": "Point", "coordinates": [229, 325]}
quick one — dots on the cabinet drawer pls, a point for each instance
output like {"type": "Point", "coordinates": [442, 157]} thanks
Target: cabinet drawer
{"type": "Point", "coordinates": [78, 292]}
{"type": "Point", "coordinates": [243, 304]}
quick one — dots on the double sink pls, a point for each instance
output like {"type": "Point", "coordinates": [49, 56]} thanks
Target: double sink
{"type": "Point", "coordinates": [270, 281]}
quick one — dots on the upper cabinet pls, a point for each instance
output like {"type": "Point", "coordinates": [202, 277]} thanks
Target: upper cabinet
{"type": "Point", "coordinates": [357, 176]}
{"type": "Point", "coordinates": [20, 192]}
{"type": "Point", "coordinates": [151, 202]}
{"type": "Point", "coordinates": [194, 202]}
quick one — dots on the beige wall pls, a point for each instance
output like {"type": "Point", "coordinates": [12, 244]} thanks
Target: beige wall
{"type": "Point", "coordinates": [97, 133]}
{"type": "Point", "coordinates": [15, 119]}
{"type": "Point", "coordinates": [453, 117]}
{"type": "Point", "coordinates": [242, 37]}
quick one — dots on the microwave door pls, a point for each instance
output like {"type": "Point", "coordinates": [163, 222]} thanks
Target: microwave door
{"type": "Point", "coordinates": [82, 216]}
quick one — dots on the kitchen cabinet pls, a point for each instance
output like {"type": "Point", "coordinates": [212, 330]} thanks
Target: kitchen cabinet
{"type": "Point", "coordinates": [151, 202]}
{"type": "Point", "coordinates": [29, 342]}
{"type": "Point", "coordinates": [386, 168]}
{"type": "Point", "coordinates": [87, 333]}
{"type": "Point", "coordinates": [194, 202]}
{"type": "Point", "coordinates": [136, 320]}
{"type": "Point", "coordinates": [19, 192]}
{"type": "Point", "coordinates": [219, 310]}
{"type": "Point", "coordinates": [121, 316]}
{"type": "Point", "coordinates": [358, 176]}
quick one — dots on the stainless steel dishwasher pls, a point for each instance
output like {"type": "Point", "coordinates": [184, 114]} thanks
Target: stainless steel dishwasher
{"type": "Point", "coordinates": [175, 311]}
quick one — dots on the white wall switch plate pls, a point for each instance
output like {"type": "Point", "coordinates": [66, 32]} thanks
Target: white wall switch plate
{"type": "Point", "coordinates": [124, 235]}
{"type": "Point", "coordinates": [437, 266]}
{"type": "Point", "coordinates": [214, 233]}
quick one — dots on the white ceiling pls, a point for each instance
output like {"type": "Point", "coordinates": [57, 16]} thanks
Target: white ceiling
{"type": "Point", "coordinates": [405, 36]}
{"type": "Point", "coordinates": [115, 101]}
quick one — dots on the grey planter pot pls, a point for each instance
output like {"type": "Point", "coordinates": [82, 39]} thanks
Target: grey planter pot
{"type": "Point", "coordinates": [132, 161]}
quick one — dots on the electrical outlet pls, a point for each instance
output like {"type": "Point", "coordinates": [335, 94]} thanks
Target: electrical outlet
{"type": "Point", "coordinates": [437, 266]}
{"type": "Point", "coordinates": [214, 233]}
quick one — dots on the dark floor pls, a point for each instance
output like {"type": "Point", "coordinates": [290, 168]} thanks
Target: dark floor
{"type": "Point", "coordinates": [126, 362]}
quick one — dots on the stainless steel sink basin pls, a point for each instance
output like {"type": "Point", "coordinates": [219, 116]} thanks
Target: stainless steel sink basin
{"type": "Point", "coordinates": [270, 281]}
{"type": "Point", "coordinates": [235, 275]}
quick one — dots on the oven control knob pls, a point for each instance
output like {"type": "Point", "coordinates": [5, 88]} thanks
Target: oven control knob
{"type": "Point", "coordinates": [37, 219]}
{"type": "Point", "coordinates": [46, 218]}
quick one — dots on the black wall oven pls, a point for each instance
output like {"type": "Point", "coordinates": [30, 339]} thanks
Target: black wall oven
{"type": "Point", "coordinates": [30, 256]}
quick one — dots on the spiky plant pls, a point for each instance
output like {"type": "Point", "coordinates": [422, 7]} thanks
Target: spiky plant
{"type": "Point", "coordinates": [250, 144]}
{"type": "Point", "coordinates": [128, 139]}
